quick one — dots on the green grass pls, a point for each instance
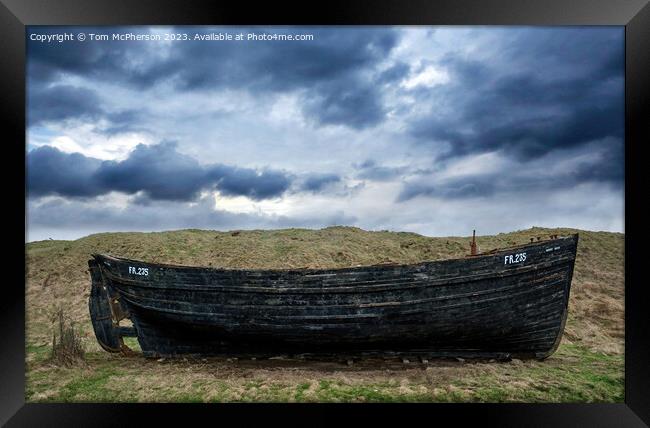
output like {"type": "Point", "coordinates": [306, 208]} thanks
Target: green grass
{"type": "Point", "coordinates": [300, 391]}
{"type": "Point", "coordinates": [87, 388]}
{"type": "Point", "coordinates": [584, 376]}
{"type": "Point", "coordinates": [132, 342]}
{"type": "Point", "coordinates": [38, 353]}
{"type": "Point", "coordinates": [329, 391]}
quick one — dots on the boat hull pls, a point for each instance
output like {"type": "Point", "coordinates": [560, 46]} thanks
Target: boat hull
{"type": "Point", "coordinates": [512, 302]}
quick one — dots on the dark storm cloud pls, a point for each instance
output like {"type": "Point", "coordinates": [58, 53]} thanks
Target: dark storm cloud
{"type": "Point", "coordinates": [159, 171]}
{"type": "Point", "coordinates": [558, 89]}
{"type": "Point", "coordinates": [331, 72]}
{"type": "Point", "coordinates": [317, 182]}
{"type": "Point", "coordinates": [47, 62]}
{"type": "Point", "coordinates": [50, 171]}
{"type": "Point", "coordinates": [233, 181]}
{"type": "Point", "coordinates": [61, 103]}
{"type": "Point", "coordinates": [279, 66]}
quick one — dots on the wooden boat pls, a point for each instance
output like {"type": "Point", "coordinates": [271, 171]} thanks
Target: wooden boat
{"type": "Point", "coordinates": [507, 303]}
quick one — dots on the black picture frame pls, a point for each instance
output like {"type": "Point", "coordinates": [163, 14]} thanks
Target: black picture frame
{"type": "Point", "coordinates": [15, 15]}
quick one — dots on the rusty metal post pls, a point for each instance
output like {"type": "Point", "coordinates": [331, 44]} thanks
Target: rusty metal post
{"type": "Point", "coordinates": [472, 245]}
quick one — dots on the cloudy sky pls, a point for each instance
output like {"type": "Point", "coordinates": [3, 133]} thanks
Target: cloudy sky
{"type": "Point", "coordinates": [434, 130]}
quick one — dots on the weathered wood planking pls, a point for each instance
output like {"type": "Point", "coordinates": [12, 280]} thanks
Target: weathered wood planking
{"type": "Point", "coordinates": [510, 302]}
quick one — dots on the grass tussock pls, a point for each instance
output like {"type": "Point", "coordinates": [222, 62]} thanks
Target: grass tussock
{"type": "Point", "coordinates": [67, 346]}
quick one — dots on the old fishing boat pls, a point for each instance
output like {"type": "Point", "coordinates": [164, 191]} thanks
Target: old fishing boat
{"type": "Point", "coordinates": [505, 303]}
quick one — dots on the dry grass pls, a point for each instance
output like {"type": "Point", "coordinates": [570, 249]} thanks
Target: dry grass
{"type": "Point", "coordinates": [57, 276]}
{"type": "Point", "coordinates": [67, 345]}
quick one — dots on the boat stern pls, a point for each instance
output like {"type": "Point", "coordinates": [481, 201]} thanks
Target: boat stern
{"type": "Point", "coordinates": [106, 312]}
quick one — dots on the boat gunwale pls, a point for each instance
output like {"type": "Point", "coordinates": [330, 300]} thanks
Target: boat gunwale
{"type": "Point", "coordinates": [338, 288]}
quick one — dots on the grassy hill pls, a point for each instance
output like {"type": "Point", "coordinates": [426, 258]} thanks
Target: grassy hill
{"type": "Point", "coordinates": [57, 277]}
